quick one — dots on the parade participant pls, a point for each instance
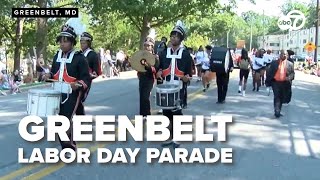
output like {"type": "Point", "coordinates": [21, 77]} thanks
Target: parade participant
{"type": "Point", "coordinates": [205, 68]}
{"type": "Point", "coordinates": [182, 69]}
{"type": "Point", "coordinates": [280, 73]}
{"type": "Point", "coordinates": [221, 62]}
{"type": "Point", "coordinates": [71, 68]}
{"type": "Point", "coordinates": [200, 55]}
{"type": "Point", "coordinates": [244, 66]}
{"type": "Point", "coordinates": [162, 46]}
{"type": "Point", "coordinates": [257, 65]}
{"type": "Point", "coordinates": [146, 79]}
{"type": "Point", "coordinates": [94, 65]}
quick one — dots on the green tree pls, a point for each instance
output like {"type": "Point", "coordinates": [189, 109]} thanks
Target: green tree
{"type": "Point", "coordinates": [151, 14]}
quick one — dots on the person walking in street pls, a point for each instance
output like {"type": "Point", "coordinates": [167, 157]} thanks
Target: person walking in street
{"type": "Point", "coordinates": [205, 69]}
{"type": "Point", "coordinates": [181, 71]}
{"type": "Point", "coordinates": [244, 66]}
{"type": "Point", "coordinates": [281, 73]}
{"type": "Point", "coordinates": [221, 62]}
{"type": "Point", "coordinates": [71, 68]}
{"type": "Point", "coordinates": [146, 80]}
{"type": "Point", "coordinates": [257, 66]}
{"type": "Point", "coordinates": [199, 56]}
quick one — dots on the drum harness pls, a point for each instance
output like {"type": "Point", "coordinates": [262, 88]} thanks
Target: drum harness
{"type": "Point", "coordinates": [63, 62]}
{"type": "Point", "coordinates": [178, 82]}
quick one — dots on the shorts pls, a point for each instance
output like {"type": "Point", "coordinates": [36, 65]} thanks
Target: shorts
{"type": "Point", "coordinates": [244, 73]}
{"type": "Point", "coordinates": [204, 70]}
{"type": "Point", "coordinates": [257, 71]}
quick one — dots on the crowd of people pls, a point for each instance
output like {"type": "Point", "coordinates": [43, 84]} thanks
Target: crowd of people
{"type": "Point", "coordinates": [10, 82]}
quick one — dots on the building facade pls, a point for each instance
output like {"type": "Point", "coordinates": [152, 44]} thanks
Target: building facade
{"type": "Point", "coordinates": [293, 40]}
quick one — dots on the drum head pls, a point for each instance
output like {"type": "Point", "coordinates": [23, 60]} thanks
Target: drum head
{"type": "Point", "coordinates": [168, 86]}
{"type": "Point", "coordinates": [44, 91]}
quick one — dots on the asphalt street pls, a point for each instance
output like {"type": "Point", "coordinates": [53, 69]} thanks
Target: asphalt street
{"type": "Point", "coordinates": [263, 147]}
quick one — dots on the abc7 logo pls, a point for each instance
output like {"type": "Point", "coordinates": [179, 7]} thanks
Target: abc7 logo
{"type": "Point", "coordinates": [285, 22]}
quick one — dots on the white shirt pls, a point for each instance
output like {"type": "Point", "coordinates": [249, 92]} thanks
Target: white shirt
{"type": "Point", "coordinates": [267, 58]}
{"type": "Point", "coordinates": [120, 56]}
{"type": "Point", "coordinates": [257, 63]}
{"type": "Point", "coordinates": [200, 55]}
{"type": "Point", "coordinates": [205, 62]}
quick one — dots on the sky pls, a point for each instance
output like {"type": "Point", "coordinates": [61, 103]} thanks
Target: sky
{"type": "Point", "coordinates": [270, 7]}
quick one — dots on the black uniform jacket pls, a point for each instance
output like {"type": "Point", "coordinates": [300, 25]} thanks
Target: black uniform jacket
{"type": "Point", "coordinates": [183, 65]}
{"type": "Point", "coordinates": [76, 71]}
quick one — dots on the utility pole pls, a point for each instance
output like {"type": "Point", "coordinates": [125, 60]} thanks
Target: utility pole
{"type": "Point", "coordinates": [264, 35]}
{"type": "Point", "coordinates": [317, 34]}
{"type": "Point", "coordinates": [250, 35]}
{"type": "Point", "coordinates": [228, 39]}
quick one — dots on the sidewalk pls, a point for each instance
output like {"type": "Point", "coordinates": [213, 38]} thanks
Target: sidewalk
{"type": "Point", "coordinates": [26, 87]}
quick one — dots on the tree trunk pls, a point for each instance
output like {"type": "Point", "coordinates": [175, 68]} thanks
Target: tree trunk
{"type": "Point", "coordinates": [144, 30]}
{"type": "Point", "coordinates": [17, 43]}
{"type": "Point", "coordinates": [42, 33]}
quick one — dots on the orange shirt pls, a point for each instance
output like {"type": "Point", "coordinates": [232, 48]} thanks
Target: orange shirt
{"type": "Point", "coordinates": [281, 73]}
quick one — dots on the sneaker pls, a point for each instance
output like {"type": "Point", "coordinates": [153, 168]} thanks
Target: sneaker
{"type": "Point", "coordinates": [204, 90]}
{"type": "Point", "coordinates": [244, 93]}
{"type": "Point", "coordinates": [239, 91]}
{"type": "Point", "coordinates": [208, 86]}
{"type": "Point", "coordinates": [253, 89]}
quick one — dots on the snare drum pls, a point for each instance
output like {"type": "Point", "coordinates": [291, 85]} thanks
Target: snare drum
{"type": "Point", "coordinates": [167, 96]}
{"type": "Point", "coordinates": [43, 102]}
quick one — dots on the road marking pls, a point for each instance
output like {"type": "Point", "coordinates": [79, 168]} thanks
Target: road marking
{"type": "Point", "coordinates": [46, 171]}
{"type": "Point", "coordinates": [26, 169]}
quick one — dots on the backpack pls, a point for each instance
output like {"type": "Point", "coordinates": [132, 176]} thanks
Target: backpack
{"type": "Point", "coordinates": [244, 64]}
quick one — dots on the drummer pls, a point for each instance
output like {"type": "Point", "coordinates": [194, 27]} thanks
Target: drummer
{"type": "Point", "coordinates": [146, 80]}
{"type": "Point", "coordinates": [183, 70]}
{"type": "Point", "coordinates": [75, 73]}
{"type": "Point", "coordinates": [94, 65]}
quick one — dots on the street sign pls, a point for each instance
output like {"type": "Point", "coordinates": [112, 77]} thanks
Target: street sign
{"type": "Point", "coordinates": [310, 47]}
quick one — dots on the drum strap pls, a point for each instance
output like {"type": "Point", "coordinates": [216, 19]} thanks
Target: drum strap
{"type": "Point", "coordinates": [63, 62]}
{"type": "Point", "coordinates": [174, 58]}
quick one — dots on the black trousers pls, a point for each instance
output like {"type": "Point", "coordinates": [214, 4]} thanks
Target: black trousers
{"type": "Point", "coordinates": [145, 87]}
{"type": "Point", "coordinates": [169, 114]}
{"type": "Point", "coordinates": [288, 93]}
{"type": "Point", "coordinates": [279, 91]}
{"type": "Point", "coordinates": [119, 65]}
{"type": "Point", "coordinates": [68, 109]}
{"type": "Point", "coordinates": [184, 94]}
{"type": "Point", "coordinates": [222, 83]}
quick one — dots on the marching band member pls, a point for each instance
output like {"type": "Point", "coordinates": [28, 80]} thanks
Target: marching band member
{"type": "Point", "coordinates": [183, 69]}
{"type": "Point", "coordinates": [146, 80]}
{"type": "Point", "coordinates": [70, 67]}
{"type": "Point", "coordinates": [94, 65]}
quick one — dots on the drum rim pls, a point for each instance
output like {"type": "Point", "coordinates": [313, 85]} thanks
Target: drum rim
{"type": "Point", "coordinates": [42, 91]}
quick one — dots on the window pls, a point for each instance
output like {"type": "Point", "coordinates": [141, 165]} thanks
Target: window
{"type": "Point", "coordinates": [291, 42]}
{"type": "Point", "coordinates": [275, 44]}
{"type": "Point", "coordinates": [304, 41]}
{"type": "Point", "coordinates": [287, 44]}
{"type": "Point", "coordinates": [311, 40]}
{"type": "Point", "coordinates": [303, 50]}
